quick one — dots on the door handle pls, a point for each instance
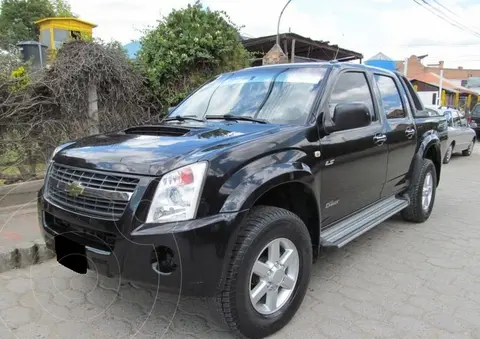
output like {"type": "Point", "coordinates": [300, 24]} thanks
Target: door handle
{"type": "Point", "coordinates": [410, 132]}
{"type": "Point", "coordinates": [379, 139]}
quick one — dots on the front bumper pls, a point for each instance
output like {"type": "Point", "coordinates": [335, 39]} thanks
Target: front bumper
{"type": "Point", "coordinates": [185, 257]}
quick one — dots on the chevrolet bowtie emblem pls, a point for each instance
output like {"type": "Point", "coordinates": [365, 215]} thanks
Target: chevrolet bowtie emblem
{"type": "Point", "coordinates": [75, 189]}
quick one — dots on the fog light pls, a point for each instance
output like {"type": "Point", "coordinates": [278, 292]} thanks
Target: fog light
{"type": "Point", "coordinates": [162, 260]}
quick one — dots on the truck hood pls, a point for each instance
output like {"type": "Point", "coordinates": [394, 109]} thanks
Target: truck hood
{"type": "Point", "coordinates": [157, 149]}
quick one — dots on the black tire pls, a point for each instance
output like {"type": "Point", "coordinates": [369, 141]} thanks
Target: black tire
{"type": "Point", "coordinates": [415, 212]}
{"type": "Point", "coordinates": [232, 306]}
{"type": "Point", "coordinates": [469, 150]}
{"type": "Point", "coordinates": [448, 154]}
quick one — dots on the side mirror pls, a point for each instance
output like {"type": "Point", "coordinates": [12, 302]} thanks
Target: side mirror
{"type": "Point", "coordinates": [351, 115]}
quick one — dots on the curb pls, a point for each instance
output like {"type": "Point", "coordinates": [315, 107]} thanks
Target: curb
{"type": "Point", "coordinates": [21, 188]}
{"type": "Point", "coordinates": [24, 255]}
{"type": "Point", "coordinates": [19, 194]}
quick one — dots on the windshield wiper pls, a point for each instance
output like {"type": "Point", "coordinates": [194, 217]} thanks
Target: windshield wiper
{"type": "Point", "coordinates": [183, 118]}
{"type": "Point", "coordinates": [235, 118]}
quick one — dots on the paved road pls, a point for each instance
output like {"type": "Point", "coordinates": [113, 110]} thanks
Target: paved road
{"type": "Point", "coordinates": [400, 280]}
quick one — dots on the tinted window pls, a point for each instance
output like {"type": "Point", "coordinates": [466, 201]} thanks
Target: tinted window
{"type": "Point", "coordinates": [476, 111]}
{"type": "Point", "coordinates": [352, 87]}
{"type": "Point", "coordinates": [413, 94]}
{"type": "Point", "coordinates": [392, 103]}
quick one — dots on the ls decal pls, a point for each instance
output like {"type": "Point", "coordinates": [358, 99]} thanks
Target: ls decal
{"type": "Point", "coordinates": [330, 162]}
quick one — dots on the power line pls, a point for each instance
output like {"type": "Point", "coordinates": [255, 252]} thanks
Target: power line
{"type": "Point", "coordinates": [470, 29]}
{"type": "Point", "coordinates": [429, 6]}
{"type": "Point", "coordinates": [455, 14]}
{"type": "Point", "coordinates": [453, 21]}
{"type": "Point", "coordinates": [441, 44]}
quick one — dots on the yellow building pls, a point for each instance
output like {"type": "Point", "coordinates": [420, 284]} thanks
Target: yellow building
{"type": "Point", "coordinates": [55, 31]}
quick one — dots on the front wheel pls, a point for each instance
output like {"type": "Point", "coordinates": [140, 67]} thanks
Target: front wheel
{"type": "Point", "coordinates": [268, 274]}
{"type": "Point", "coordinates": [448, 154]}
{"type": "Point", "coordinates": [422, 193]}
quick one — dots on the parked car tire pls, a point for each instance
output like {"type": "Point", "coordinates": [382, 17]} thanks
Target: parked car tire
{"type": "Point", "coordinates": [247, 303]}
{"type": "Point", "coordinates": [469, 150]}
{"type": "Point", "coordinates": [422, 193]}
{"type": "Point", "coordinates": [448, 154]}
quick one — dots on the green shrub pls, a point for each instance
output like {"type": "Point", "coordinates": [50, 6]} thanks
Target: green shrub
{"type": "Point", "coordinates": [187, 48]}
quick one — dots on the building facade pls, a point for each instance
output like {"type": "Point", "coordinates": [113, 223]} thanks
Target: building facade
{"type": "Point", "coordinates": [428, 81]}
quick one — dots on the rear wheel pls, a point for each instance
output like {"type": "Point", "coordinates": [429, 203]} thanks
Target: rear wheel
{"type": "Point", "coordinates": [469, 150]}
{"type": "Point", "coordinates": [422, 193]}
{"type": "Point", "coordinates": [268, 274]}
{"type": "Point", "coordinates": [448, 154]}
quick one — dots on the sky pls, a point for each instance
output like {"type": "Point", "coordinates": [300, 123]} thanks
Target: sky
{"type": "Point", "coordinates": [397, 28]}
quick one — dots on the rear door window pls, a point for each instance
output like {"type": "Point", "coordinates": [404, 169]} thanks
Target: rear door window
{"type": "Point", "coordinates": [391, 99]}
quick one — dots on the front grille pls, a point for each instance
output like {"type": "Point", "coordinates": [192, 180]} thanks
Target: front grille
{"type": "Point", "coordinates": [94, 179]}
{"type": "Point", "coordinates": [89, 237]}
{"type": "Point", "coordinates": [102, 195]}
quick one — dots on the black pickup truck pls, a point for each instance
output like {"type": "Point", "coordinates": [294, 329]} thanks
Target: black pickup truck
{"type": "Point", "coordinates": [232, 195]}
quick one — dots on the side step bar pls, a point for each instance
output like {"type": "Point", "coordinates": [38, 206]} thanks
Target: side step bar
{"type": "Point", "coordinates": [348, 229]}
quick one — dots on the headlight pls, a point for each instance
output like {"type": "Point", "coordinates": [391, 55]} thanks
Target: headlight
{"type": "Point", "coordinates": [178, 194]}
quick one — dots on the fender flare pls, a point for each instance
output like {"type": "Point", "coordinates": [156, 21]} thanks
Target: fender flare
{"type": "Point", "coordinates": [251, 188]}
{"type": "Point", "coordinates": [431, 140]}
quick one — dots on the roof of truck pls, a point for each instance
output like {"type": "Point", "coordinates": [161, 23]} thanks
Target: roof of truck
{"type": "Point", "coordinates": [321, 64]}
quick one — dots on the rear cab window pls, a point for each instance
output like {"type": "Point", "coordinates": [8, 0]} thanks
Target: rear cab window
{"type": "Point", "coordinates": [412, 99]}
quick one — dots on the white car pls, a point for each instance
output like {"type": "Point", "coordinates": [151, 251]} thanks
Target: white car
{"type": "Point", "coordinates": [461, 136]}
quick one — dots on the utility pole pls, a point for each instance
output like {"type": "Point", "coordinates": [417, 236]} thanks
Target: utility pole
{"type": "Point", "coordinates": [405, 68]}
{"type": "Point", "coordinates": [440, 89]}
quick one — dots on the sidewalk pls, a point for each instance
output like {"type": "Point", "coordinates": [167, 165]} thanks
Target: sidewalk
{"type": "Point", "coordinates": [20, 241]}
{"type": "Point", "coordinates": [18, 224]}
{"type": "Point", "coordinates": [19, 194]}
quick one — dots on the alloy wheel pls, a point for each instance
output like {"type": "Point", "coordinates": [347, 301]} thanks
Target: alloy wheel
{"type": "Point", "coordinates": [274, 276]}
{"type": "Point", "coordinates": [427, 191]}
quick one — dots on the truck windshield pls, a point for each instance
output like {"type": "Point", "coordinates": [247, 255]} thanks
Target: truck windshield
{"type": "Point", "coordinates": [275, 95]}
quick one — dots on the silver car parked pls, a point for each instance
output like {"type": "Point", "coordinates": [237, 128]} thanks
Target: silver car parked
{"type": "Point", "coordinates": [461, 137]}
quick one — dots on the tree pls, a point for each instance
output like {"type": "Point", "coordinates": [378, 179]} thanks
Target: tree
{"type": "Point", "coordinates": [17, 18]}
{"type": "Point", "coordinates": [42, 109]}
{"type": "Point", "coordinates": [62, 8]}
{"type": "Point", "coordinates": [188, 47]}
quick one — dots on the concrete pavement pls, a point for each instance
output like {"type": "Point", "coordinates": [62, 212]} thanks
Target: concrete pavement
{"type": "Point", "coordinates": [399, 280]}
{"type": "Point", "coordinates": [18, 224]}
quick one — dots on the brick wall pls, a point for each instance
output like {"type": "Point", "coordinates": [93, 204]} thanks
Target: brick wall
{"type": "Point", "coordinates": [415, 66]}
{"type": "Point", "coordinates": [455, 73]}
